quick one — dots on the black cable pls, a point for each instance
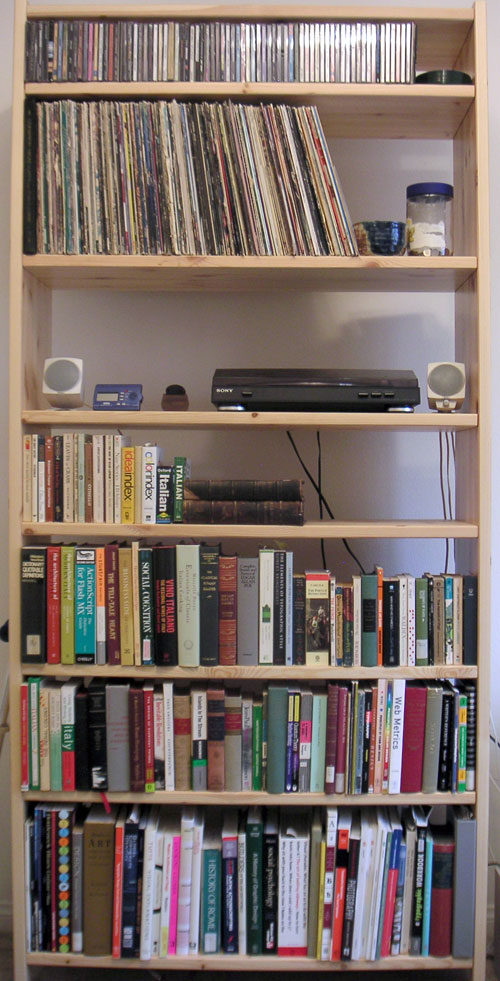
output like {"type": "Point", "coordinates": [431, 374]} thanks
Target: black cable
{"type": "Point", "coordinates": [320, 475]}
{"type": "Point", "coordinates": [323, 498]}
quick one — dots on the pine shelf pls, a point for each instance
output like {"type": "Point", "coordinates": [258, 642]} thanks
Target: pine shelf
{"type": "Point", "coordinates": [237, 962]}
{"type": "Point", "coordinates": [435, 528]}
{"type": "Point", "coordinates": [440, 274]}
{"type": "Point", "coordinates": [261, 672]}
{"type": "Point", "coordinates": [244, 799]}
{"type": "Point", "coordinates": [425, 422]}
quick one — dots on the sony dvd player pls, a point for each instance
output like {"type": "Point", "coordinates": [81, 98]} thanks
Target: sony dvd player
{"type": "Point", "coordinates": [314, 390]}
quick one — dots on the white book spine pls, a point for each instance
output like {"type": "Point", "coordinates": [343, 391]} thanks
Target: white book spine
{"type": "Point", "coordinates": [150, 461]}
{"type": "Point", "coordinates": [98, 477]}
{"type": "Point", "coordinates": [379, 857]}
{"type": "Point", "coordinates": [44, 739]}
{"type": "Point", "coordinates": [185, 878]}
{"type": "Point", "coordinates": [188, 605]}
{"type": "Point", "coordinates": [157, 893]}
{"type": "Point", "coordinates": [80, 478]}
{"type": "Point", "coordinates": [396, 754]}
{"type": "Point", "coordinates": [27, 514]}
{"type": "Point", "coordinates": [41, 490]}
{"type": "Point", "coordinates": [289, 610]}
{"type": "Point", "coordinates": [118, 443]}
{"type": "Point", "coordinates": [34, 734]}
{"type": "Point", "coordinates": [109, 482]}
{"type": "Point", "coordinates": [34, 477]}
{"type": "Point", "coordinates": [168, 848]}
{"type": "Point", "coordinates": [194, 920]}
{"type": "Point", "coordinates": [331, 841]}
{"type": "Point", "coordinates": [168, 725]}
{"type": "Point", "coordinates": [138, 484]}
{"type": "Point", "coordinates": [159, 739]}
{"type": "Point", "coordinates": [75, 476]}
{"type": "Point", "coordinates": [412, 638]}
{"type": "Point", "coordinates": [266, 605]}
{"type": "Point", "coordinates": [68, 477]}
{"type": "Point", "coordinates": [356, 604]}
{"type": "Point", "coordinates": [242, 894]}
{"type": "Point", "coordinates": [292, 893]}
{"type": "Point", "coordinates": [148, 878]}
{"type": "Point", "coordinates": [361, 889]}
{"type": "Point", "coordinates": [246, 743]}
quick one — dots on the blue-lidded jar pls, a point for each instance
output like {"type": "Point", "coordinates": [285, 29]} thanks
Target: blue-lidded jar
{"type": "Point", "coordinates": [429, 218]}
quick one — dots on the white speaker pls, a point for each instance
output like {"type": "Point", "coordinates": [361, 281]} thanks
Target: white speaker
{"type": "Point", "coordinates": [63, 382]}
{"type": "Point", "coordinates": [445, 385]}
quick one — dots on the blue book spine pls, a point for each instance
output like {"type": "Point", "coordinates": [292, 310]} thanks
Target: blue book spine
{"type": "Point", "coordinates": [38, 879]}
{"type": "Point", "coordinates": [85, 600]}
{"type": "Point", "coordinates": [426, 914]}
{"type": "Point", "coordinates": [129, 899]}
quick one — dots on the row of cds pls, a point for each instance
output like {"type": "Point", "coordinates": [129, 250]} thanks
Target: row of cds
{"type": "Point", "coordinates": [184, 179]}
{"type": "Point", "coordinates": [174, 51]}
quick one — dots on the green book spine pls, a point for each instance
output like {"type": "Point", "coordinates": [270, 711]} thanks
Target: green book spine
{"type": "Point", "coordinates": [254, 832]}
{"type": "Point", "coordinates": [277, 714]}
{"type": "Point", "coordinates": [383, 897]}
{"type": "Point", "coordinates": [55, 738]}
{"type": "Point", "coordinates": [422, 620]}
{"type": "Point", "coordinates": [180, 465]}
{"type": "Point", "coordinates": [211, 901]}
{"type": "Point", "coordinates": [34, 731]}
{"type": "Point", "coordinates": [462, 743]}
{"type": "Point", "coordinates": [67, 604]}
{"type": "Point", "coordinates": [257, 746]}
{"type": "Point", "coordinates": [369, 592]}
{"type": "Point", "coordinates": [146, 605]}
{"type": "Point", "coordinates": [318, 744]}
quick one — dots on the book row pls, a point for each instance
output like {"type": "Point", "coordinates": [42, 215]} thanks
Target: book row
{"type": "Point", "coordinates": [355, 738]}
{"type": "Point", "coordinates": [177, 178]}
{"type": "Point", "coordinates": [191, 605]}
{"type": "Point", "coordinates": [345, 885]}
{"type": "Point", "coordinates": [78, 477]}
{"type": "Point", "coordinates": [177, 51]}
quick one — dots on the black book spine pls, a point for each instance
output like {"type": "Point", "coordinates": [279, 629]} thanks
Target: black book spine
{"type": "Point", "coordinates": [470, 619]}
{"type": "Point", "coordinates": [229, 897]}
{"type": "Point", "coordinates": [129, 900]}
{"type": "Point", "coordinates": [138, 908]}
{"type": "Point", "coordinates": [97, 734]}
{"type": "Point", "coordinates": [164, 565]}
{"type": "Point", "coordinates": [33, 605]}
{"type": "Point", "coordinates": [350, 898]}
{"type": "Point", "coordinates": [270, 892]}
{"type": "Point", "coordinates": [58, 478]}
{"type": "Point", "coordinates": [209, 605]}
{"type": "Point", "coordinates": [366, 740]}
{"type": "Point", "coordinates": [390, 601]}
{"type": "Point", "coordinates": [430, 618]}
{"type": "Point", "coordinates": [30, 178]}
{"type": "Point", "coordinates": [82, 756]}
{"type": "Point", "coordinates": [299, 619]}
{"type": "Point", "coordinates": [279, 637]}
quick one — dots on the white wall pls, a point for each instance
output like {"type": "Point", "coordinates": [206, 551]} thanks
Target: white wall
{"type": "Point", "coordinates": [182, 338]}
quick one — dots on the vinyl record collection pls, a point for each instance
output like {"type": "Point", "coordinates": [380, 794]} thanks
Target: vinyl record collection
{"type": "Point", "coordinates": [181, 178]}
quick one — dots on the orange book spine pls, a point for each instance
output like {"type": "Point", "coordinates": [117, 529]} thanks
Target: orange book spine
{"type": "Point", "coordinates": [380, 617]}
{"type": "Point", "coordinates": [118, 891]}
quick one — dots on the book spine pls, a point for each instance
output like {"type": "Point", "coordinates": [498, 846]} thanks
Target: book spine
{"type": "Point", "coordinates": [306, 711]}
{"type": "Point", "coordinates": [85, 605]}
{"type": "Point", "coordinates": [168, 728]}
{"type": "Point", "coordinates": [126, 606]}
{"type": "Point", "coordinates": [230, 875]}
{"type": "Point", "coordinates": [298, 619]}
{"type": "Point", "coordinates": [228, 609]}
{"type": "Point", "coordinates": [150, 461]}
{"type": "Point", "coordinates": [317, 616]}
{"type": "Point", "coordinates": [199, 751]}
{"type": "Point", "coordinates": [266, 606]}
{"type": "Point", "coordinates": [182, 741]}
{"type": "Point", "coordinates": [164, 495]}
{"type": "Point", "coordinates": [136, 740]}
{"type": "Point", "coordinates": [68, 736]}
{"type": "Point", "coordinates": [248, 611]}
{"type": "Point", "coordinates": [53, 604]}
{"type": "Point", "coordinates": [165, 576]}
{"type": "Point", "coordinates": [100, 605]}
{"type": "Point", "coordinates": [396, 751]}
{"type": "Point", "coordinates": [270, 860]}
{"type": "Point", "coordinates": [246, 742]}
{"type": "Point", "coordinates": [188, 605]}
{"type": "Point", "coordinates": [33, 605]}
{"type": "Point", "coordinates": [180, 473]}
{"type": "Point", "coordinates": [210, 918]}
{"type": "Point", "coordinates": [127, 507]}
{"type": "Point", "coordinates": [149, 740]}
{"type": "Point", "coordinates": [112, 594]}
{"type": "Point", "coordinates": [176, 859]}
{"type": "Point", "coordinates": [279, 613]}
{"type": "Point", "coordinates": [146, 606]}
{"type": "Point", "coordinates": [117, 892]}
{"type": "Point", "coordinates": [97, 734]}
{"type": "Point", "coordinates": [209, 605]}
{"type": "Point", "coordinates": [159, 739]}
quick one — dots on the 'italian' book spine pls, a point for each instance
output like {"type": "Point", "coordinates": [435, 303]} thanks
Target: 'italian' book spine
{"type": "Point", "coordinates": [182, 470]}
{"type": "Point", "coordinates": [68, 692]}
{"type": "Point", "coordinates": [164, 495]}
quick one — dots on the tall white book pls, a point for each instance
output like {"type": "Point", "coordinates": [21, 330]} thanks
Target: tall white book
{"type": "Point", "coordinates": [151, 457]}
{"type": "Point", "coordinates": [266, 605]}
{"type": "Point", "coordinates": [242, 891]}
{"type": "Point", "coordinates": [185, 881]}
{"type": "Point", "coordinates": [194, 916]}
{"type": "Point", "coordinates": [364, 884]}
{"type": "Point", "coordinates": [169, 825]}
{"type": "Point", "coordinates": [188, 605]}
{"type": "Point", "coordinates": [293, 884]}
{"type": "Point", "coordinates": [396, 754]}
{"type": "Point", "coordinates": [168, 730]}
{"type": "Point", "coordinates": [148, 883]}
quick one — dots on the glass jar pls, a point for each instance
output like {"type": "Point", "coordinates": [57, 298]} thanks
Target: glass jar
{"type": "Point", "coordinates": [429, 219]}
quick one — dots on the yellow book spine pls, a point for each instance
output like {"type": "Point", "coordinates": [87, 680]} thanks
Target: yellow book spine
{"type": "Point", "coordinates": [126, 606]}
{"type": "Point", "coordinates": [128, 485]}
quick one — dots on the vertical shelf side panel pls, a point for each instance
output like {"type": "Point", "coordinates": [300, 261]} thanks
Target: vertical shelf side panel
{"type": "Point", "coordinates": [29, 343]}
{"type": "Point", "coordinates": [473, 476]}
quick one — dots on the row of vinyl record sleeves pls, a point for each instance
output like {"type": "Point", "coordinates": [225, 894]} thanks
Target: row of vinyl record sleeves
{"type": "Point", "coordinates": [335, 884]}
{"type": "Point", "coordinates": [190, 605]}
{"type": "Point", "coordinates": [387, 737]}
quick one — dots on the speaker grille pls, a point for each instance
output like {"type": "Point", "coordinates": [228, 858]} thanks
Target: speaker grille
{"type": "Point", "coordinates": [446, 380]}
{"type": "Point", "coordinates": [62, 375]}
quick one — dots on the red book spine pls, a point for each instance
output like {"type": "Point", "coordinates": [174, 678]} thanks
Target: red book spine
{"type": "Point", "coordinates": [392, 883]}
{"type": "Point", "coordinates": [118, 892]}
{"type": "Point", "coordinates": [442, 897]}
{"type": "Point", "coordinates": [331, 738]}
{"type": "Point", "coordinates": [413, 740]}
{"type": "Point", "coordinates": [49, 478]}
{"type": "Point", "coordinates": [149, 739]}
{"type": "Point", "coordinates": [136, 740]}
{"type": "Point", "coordinates": [53, 604]}
{"type": "Point", "coordinates": [112, 605]}
{"type": "Point", "coordinates": [68, 770]}
{"type": "Point", "coordinates": [339, 894]}
{"type": "Point", "coordinates": [228, 585]}
{"type": "Point", "coordinates": [25, 734]}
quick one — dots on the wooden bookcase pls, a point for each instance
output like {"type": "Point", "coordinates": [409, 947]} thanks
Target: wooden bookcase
{"type": "Point", "coordinates": [446, 38]}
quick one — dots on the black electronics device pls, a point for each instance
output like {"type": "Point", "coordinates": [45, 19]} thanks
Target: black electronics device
{"type": "Point", "coordinates": [314, 390]}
